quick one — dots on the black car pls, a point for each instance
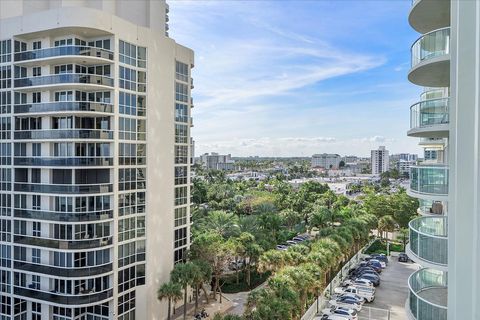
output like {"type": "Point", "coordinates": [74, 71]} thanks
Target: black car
{"type": "Point", "coordinates": [402, 257]}
{"type": "Point", "coordinates": [374, 279]}
{"type": "Point", "coordinates": [380, 257]}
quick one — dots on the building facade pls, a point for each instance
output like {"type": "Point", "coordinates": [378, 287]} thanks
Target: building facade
{"type": "Point", "coordinates": [380, 160]}
{"type": "Point", "coordinates": [326, 161]}
{"type": "Point", "coordinates": [403, 166]}
{"type": "Point", "coordinates": [95, 158]}
{"type": "Point", "coordinates": [445, 240]}
{"type": "Point", "coordinates": [217, 161]}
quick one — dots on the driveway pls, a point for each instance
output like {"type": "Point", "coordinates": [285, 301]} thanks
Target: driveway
{"type": "Point", "coordinates": [392, 292]}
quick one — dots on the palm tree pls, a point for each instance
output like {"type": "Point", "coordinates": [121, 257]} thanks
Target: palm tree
{"type": "Point", "coordinates": [271, 260]}
{"type": "Point", "coordinates": [201, 275]}
{"type": "Point", "coordinates": [171, 292]}
{"type": "Point", "coordinates": [184, 274]}
{"type": "Point", "coordinates": [226, 224]}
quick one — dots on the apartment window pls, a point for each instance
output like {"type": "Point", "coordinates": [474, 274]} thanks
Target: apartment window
{"type": "Point", "coordinates": [64, 96]}
{"type": "Point", "coordinates": [181, 71]}
{"type": "Point", "coordinates": [65, 68]}
{"type": "Point", "coordinates": [179, 255]}
{"type": "Point", "coordinates": [181, 92]}
{"type": "Point", "coordinates": [131, 203]}
{"type": "Point", "coordinates": [5, 77]}
{"type": "Point", "coordinates": [36, 149]}
{"type": "Point", "coordinates": [5, 51]}
{"type": "Point", "coordinates": [5, 179]}
{"type": "Point", "coordinates": [104, 43]}
{"type": "Point", "coordinates": [181, 112]}
{"type": "Point", "coordinates": [36, 204]}
{"type": "Point", "coordinates": [181, 133]}
{"type": "Point", "coordinates": [180, 216]}
{"type": "Point", "coordinates": [63, 42]}
{"type": "Point", "coordinates": [131, 178]}
{"type": "Point", "coordinates": [126, 254]}
{"type": "Point", "coordinates": [126, 306]}
{"type": "Point", "coordinates": [36, 311]}
{"type": "Point", "coordinates": [180, 196]}
{"type": "Point", "coordinates": [4, 286]}
{"type": "Point", "coordinates": [37, 71]}
{"type": "Point", "coordinates": [20, 72]}
{"type": "Point", "coordinates": [37, 45]}
{"type": "Point", "coordinates": [181, 154]}
{"type": "Point", "coordinates": [127, 103]}
{"type": "Point", "coordinates": [36, 255]}
{"type": "Point", "coordinates": [5, 256]}
{"type": "Point", "coordinates": [36, 97]}
{"type": "Point", "coordinates": [181, 175]}
{"type": "Point", "coordinates": [36, 228]}
{"type": "Point", "coordinates": [126, 229]}
{"type": "Point", "coordinates": [62, 259]}
{"type": "Point", "coordinates": [142, 57]}
{"type": "Point", "coordinates": [128, 53]}
{"type": "Point", "coordinates": [128, 78]}
{"type": "Point", "coordinates": [6, 230]}
{"type": "Point", "coordinates": [180, 237]}
{"type": "Point", "coordinates": [5, 102]}
{"type": "Point", "coordinates": [126, 279]}
{"type": "Point", "coordinates": [5, 153]}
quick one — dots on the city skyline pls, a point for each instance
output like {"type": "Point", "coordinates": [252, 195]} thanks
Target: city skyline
{"type": "Point", "coordinates": [292, 84]}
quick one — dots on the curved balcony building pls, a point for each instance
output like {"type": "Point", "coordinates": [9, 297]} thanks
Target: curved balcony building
{"type": "Point", "coordinates": [428, 295]}
{"type": "Point", "coordinates": [429, 182]}
{"type": "Point", "coordinates": [85, 155]}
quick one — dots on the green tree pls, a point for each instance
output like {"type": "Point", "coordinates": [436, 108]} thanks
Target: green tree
{"type": "Point", "coordinates": [184, 274]}
{"type": "Point", "coordinates": [386, 224]}
{"type": "Point", "coordinates": [170, 291]}
{"type": "Point", "coordinates": [202, 274]}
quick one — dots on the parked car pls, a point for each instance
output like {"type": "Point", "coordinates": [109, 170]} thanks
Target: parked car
{"type": "Point", "coordinates": [281, 247]}
{"type": "Point", "coordinates": [299, 239]}
{"type": "Point", "coordinates": [346, 303]}
{"type": "Point", "coordinates": [366, 293]}
{"type": "Point", "coordinates": [333, 317]}
{"type": "Point", "coordinates": [375, 266]}
{"type": "Point", "coordinates": [375, 280]}
{"type": "Point", "coordinates": [402, 257]}
{"type": "Point", "coordinates": [347, 313]}
{"type": "Point", "coordinates": [352, 296]}
{"type": "Point", "coordinates": [378, 263]}
{"type": "Point", "coordinates": [380, 256]}
{"type": "Point", "coordinates": [358, 283]}
{"type": "Point", "coordinates": [291, 243]}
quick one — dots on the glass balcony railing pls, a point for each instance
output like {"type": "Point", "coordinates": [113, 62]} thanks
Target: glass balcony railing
{"type": "Point", "coordinates": [65, 78]}
{"type": "Point", "coordinates": [63, 188]}
{"type": "Point", "coordinates": [429, 113]}
{"type": "Point", "coordinates": [431, 45]}
{"type": "Point", "coordinates": [83, 51]}
{"type": "Point", "coordinates": [63, 272]}
{"type": "Point", "coordinates": [64, 134]}
{"type": "Point", "coordinates": [429, 239]}
{"type": "Point", "coordinates": [59, 298]}
{"type": "Point", "coordinates": [430, 180]}
{"type": "Point", "coordinates": [63, 244]}
{"type": "Point", "coordinates": [63, 216]}
{"type": "Point", "coordinates": [63, 106]}
{"type": "Point", "coordinates": [428, 295]}
{"type": "Point", "coordinates": [60, 161]}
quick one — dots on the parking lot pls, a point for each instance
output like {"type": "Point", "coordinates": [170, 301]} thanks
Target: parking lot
{"type": "Point", "coordinates": [392, 293]}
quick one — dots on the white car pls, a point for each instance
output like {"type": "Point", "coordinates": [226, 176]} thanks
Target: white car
{"type": "Point", "coordinates": [346, 313]}
{"type": "Point", "coordinates": [358, 283]}
{"type": "Point", "coordinates": [332, 317]}
{"type": "Point", "coordinates": [346, 303]}
{"type": "Point", "coordinates": [365, 293]}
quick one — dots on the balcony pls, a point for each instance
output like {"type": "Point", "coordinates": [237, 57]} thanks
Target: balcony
{"type": "Point", "coordinates": [64, 272]}
{"type": "Point", "coordinates": [56, 134]}
{"type": "Point", "coordinates": [63, 106]}
{"type": "Point", "coordinates": [428, 295]}
{"type": "Point", "coordinates": [431, 59]}
{"type": "Point", "coordinates": [69, 54]}
{"type": "Point", "coordinates": [63, 188]}
{"type": "Point", "coordinates": [60, 298]}
{"type": "Point", "coordinates": [429, 182]}
{"type": "Point", "coordinates": [431, 208]}
{"type": "Point", "coordinates": [63, 162]}
{"type": "Point", "coordinates": [63, 244]}
{"type": "Point", "coordinates": [63, 216]}
{"type": "Point", "coordinates": [427, 15]}
{"type": "Point", "coordinates": [81, 80]}
{"type": "Point", "coordinates": [429, 242]}
{"type": "Point", "coordinates": [430, 118]}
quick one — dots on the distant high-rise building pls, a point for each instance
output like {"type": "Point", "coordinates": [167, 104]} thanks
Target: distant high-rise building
{"type": "Point", "coordinates": [326, 161]}
{"type": "Point", "coordinates": [380, 160]}
{"type": "Point", "coordinates": [403, 156]}
{"type": "Point", "coordinates": [350, 159]}
{"type": "Point", "coordinates": [95, 141]}
{"type": "Point", "coordinates": [403, 166]}
{"type": "Point", "coordinates": [217, 161]}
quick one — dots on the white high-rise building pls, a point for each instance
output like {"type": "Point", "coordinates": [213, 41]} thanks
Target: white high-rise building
{"type": "Point", "coordinates": [326, 161]}
{"type": "Point", "coordinates": [380, 160]}
{"type": "Point", "coordinates": [445, 240]}
{"type": "Point", "coordinates": [217, 161]}
{"type": "Point", "coordinates": [94, 158]}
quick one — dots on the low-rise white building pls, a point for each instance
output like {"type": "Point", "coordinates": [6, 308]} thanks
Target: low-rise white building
{"type": "Point", "coordinates": [326, 160]}
{"type": "Point", "coordinates": [217, 161]}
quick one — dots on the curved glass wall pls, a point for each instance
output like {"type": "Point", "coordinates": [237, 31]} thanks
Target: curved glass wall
{"type": "Point", "coordinates": [64, 51]}
{"type": "Point", "coordinates": [63, 216]}
{"type": "Point", "coordinates": [64, 134]}
{"type": "Point", "coordinates": [63, 106]}
{"type": "Point", "coordinates": [429, 179]}
{"type": "Point", "coordinates": [63, 244]}
{"type": "Point", "coordinates": [429, 239]}
{"type": "Point", "coordinates": [429, 113]}
{"type": "Point", "coordinates": [80, 78]}
{"type": "Point", "coordinates": [63, 272]}
{"type": "Point", "coordinates": [60, 298]}
{"type": "Point", "coordinates": [63, 188]}
{"type": "Point", "coordinates": [431, 45]}
{"type": "Point", "coordinates": [428, 294]}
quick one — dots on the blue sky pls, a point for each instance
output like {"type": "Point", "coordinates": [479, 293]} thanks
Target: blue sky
{"type": "Point", "coordinates": [294, 78]}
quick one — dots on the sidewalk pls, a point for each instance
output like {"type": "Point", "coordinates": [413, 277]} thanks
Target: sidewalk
{"type": "Point", "coordinates": [211, 308]}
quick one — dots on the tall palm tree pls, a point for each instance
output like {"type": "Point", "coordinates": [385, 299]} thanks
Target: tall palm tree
{"type": "Point", "coordinates": [184, 274]}
{"type": "Point", "coordinates": [202, 274]}
{"type": "Point", "coordinates": [271, 260]}
{"type": "Point", "coordinates": [171, 292]}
